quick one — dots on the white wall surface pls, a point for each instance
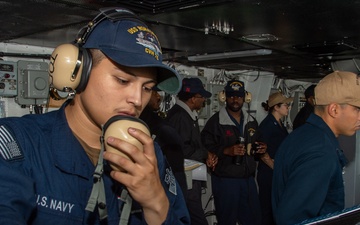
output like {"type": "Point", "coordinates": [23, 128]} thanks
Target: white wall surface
{"type": "Point", "coordinates": [260, 84]}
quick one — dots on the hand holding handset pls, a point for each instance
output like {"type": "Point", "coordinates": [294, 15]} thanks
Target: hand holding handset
{"type": "Point", "coordinates": [117, 126]}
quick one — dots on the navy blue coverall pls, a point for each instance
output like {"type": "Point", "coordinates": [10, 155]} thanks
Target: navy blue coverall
{"type": "Point", "coordinates": [271, 133]}
{"type": "Point", "coordinates": [46, 177]}
{"type": "Point", "coordinates": [308, 179]}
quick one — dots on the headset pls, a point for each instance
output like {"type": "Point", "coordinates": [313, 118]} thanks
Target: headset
{"type": "Point", "coordinates": [250, 127]}
{"type": "Point", "coordinates": [70, 64]}
{"type": "Point", "coordinates": [222, 96]}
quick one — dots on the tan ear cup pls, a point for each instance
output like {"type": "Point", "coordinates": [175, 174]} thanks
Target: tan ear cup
{"type": "Point", "coordinates": [248, 97]}
{"type": "Point", "coordinates": [118, 127]}
{"type": "Point", "coordinates": [221, 96]}
{"type": "Point", "coordinates": [248, 149]}
{"type": "Point", "coordinates": [65, 67]}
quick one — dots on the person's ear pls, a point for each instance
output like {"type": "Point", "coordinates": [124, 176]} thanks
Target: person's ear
{"type": "Point", "coordinates": [311, 100]}
{"type": "Point", "coordinates": [333, 109]}
{"type": "Point", "coordinates": [193, 99]}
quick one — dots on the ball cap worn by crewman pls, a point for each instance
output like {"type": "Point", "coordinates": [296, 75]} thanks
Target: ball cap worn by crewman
{"type": "Point", "coordinates": [234, 88]}
{"type": "Point", "coordinates": [338, 87]}
{"type": "Point", "coordinates": [277, 98]}
{"type": "Point", "coordinates": [310, 91]}
{"type": "Point", "coordinates": [194, 86]}
{"type": "Point", "coordinates": [130, 43]}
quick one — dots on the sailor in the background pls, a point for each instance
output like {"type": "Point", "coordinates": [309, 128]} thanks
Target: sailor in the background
{"type": "Point", "coordinates": [308, 180]}
{"type": "Point", "coordinates": [233, 176]}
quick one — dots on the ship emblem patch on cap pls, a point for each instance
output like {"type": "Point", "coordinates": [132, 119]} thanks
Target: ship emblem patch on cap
{"type": "Point", "coordinates": [147, 39]}
{"type": "Point", "coordinates": [236, 85]}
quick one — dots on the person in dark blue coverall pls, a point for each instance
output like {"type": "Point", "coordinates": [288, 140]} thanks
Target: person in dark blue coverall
{"type": "Point", "coordinates": [233, 183]}
{"type": "Point", "coordinates": [308, 165]}
{"type": "Point", "coordinates": [271, 131]}
{"type": "Point", "coordinates": [51, 164]}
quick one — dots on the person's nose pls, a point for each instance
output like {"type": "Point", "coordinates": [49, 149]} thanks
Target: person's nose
{"type": "Point", "coordinates": [135, 96]}
{"type": "Point", "coordinates": [158, 96]}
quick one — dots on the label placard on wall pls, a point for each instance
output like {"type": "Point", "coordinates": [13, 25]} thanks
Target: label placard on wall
{"type": "Point", "coordinates": [8, 78]}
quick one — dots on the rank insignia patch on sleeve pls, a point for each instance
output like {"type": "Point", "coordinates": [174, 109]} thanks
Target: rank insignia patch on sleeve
{"type": "Point", "coordinates": [9, 149]}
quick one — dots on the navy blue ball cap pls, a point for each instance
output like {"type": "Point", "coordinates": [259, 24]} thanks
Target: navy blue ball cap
{"type": "Point", "coordinates": [131, 43]}
{"type": "Point", "coordinates": [310, 91]}
{"type": "Point", "coordinates": [194, 86]}
{"type": "Point", "coordinates": [235, 88]}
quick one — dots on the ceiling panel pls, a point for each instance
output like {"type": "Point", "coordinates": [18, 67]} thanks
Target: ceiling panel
{"type": "Point", "coordinates": [305, 36]}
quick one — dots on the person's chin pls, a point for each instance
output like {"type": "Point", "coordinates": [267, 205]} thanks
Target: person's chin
{"type": "Point", "coordinates": [235, 108]}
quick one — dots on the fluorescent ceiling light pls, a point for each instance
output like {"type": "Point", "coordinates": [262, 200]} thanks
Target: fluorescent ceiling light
{"type": "Point", "coordinates": [227, 55]}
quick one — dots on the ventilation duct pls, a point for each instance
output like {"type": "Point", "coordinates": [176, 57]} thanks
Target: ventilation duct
{"type": "Point", "coordinates": [351, 65]}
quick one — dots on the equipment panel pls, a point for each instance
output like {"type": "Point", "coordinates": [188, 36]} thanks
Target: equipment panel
{"type": "Point", "coordinates": [33, 83]}
{"type": "Point", "coordinates": [216, 102]}
{"type": "Point", "coordinates": [8, 78]}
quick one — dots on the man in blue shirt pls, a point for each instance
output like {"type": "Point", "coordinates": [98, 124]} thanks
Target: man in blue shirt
{"type": "Point", "coordinates": [52, 168]}
{"type": "Point", "coordinates": [308, 165]}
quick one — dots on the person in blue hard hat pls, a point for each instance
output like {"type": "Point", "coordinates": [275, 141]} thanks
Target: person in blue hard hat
{"type": "Point", "coordinates": [55, 168]}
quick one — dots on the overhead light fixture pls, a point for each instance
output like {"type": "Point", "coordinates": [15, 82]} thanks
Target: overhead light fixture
{"type": "Point", "coordinates": [219, 27]}
{"type": "Point", "coordinates": [227, 55]}
{"type": "Point", "coordinates": [260, 37]}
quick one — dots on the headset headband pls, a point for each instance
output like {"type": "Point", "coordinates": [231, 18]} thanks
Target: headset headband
{"type": "Point", "coordinates": [111, 13]}
{"type": "Point", "coordinates": [73, 62]}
